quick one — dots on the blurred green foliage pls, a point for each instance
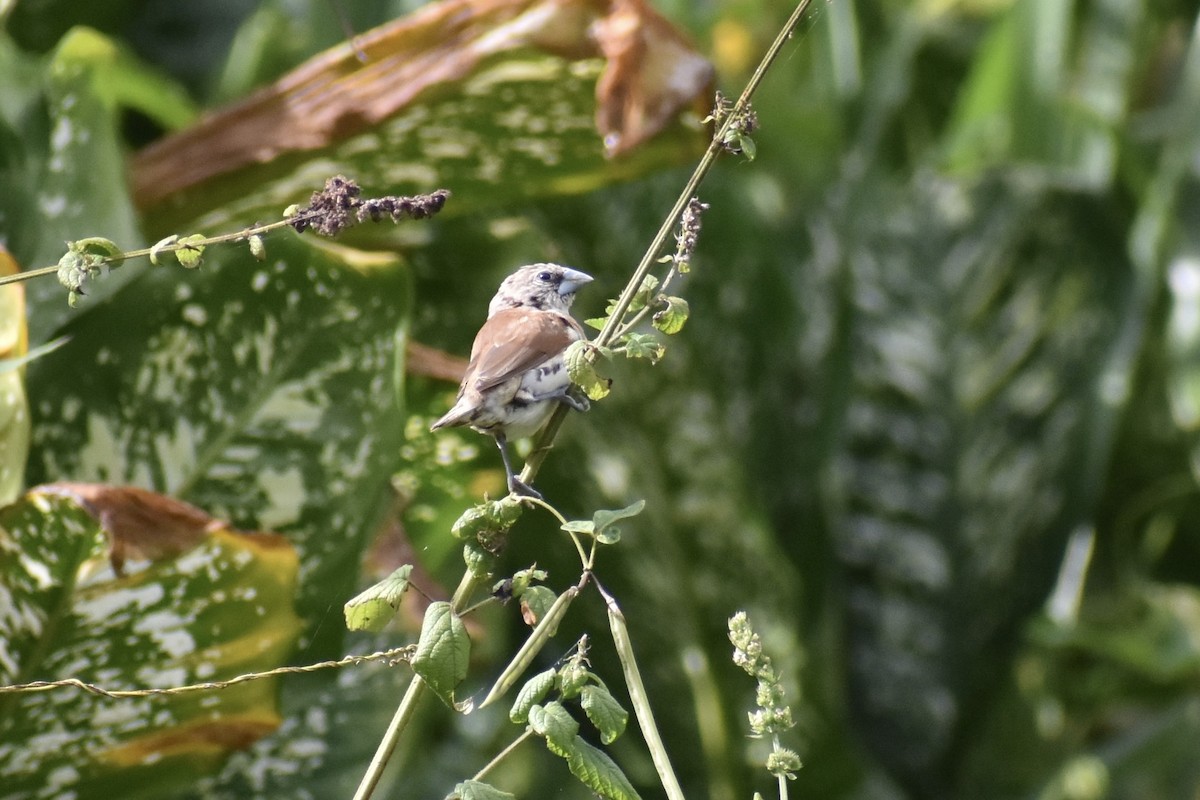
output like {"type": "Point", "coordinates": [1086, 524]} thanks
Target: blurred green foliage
{"type": "Point", "coordinates": [932, 422]}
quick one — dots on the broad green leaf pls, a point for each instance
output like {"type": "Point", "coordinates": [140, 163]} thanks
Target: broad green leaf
{"type": "Point", "coordinates": [374, 608]}
{"type": "Point", "coordinates": [475, 790]}
{"type": "Point", "coordinates": [79, 202]}
{"type": "Point", "coordinates": [604, 711]}
{"type": "Point", "coordinates": [532, 693]}
{"type": "Point", "coordinates": [194, 602]}
{"type": "Point", "coordinates": [555, 724]}
{"type": "Point", "coordinates": [122, 81]}
{"type": "Point", "coordinates": [443, 651]}
{"type": "Point", "coordinates": [261, 392]}
{"type": "Point", "coordinates": [480, 563]}
{"type": "Point", "coordinates": [599, 772]}
{"type": "Point", "coordinates": [14, 407]}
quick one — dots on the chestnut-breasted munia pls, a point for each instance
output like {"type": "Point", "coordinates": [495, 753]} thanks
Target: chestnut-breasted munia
{"type": "Point", "coordinates": [518, 373]}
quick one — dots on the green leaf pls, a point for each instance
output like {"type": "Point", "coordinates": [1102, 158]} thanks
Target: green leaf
{"type": "Point", "coordinates": [522, 579]}
{"type": "Point", "coordinates": [443, 651]}
{"type": "Point", "coordinates": [532, 693]}
{"type": "Point", "coordinates": [191, 250]}
{"type": "Point", "coordinates": [475, 790]}
{"type": "Point", "coordinates": [156, 249]}
{"type": "Point", "coordinates": [480, 563]}
{"type": "Point", "coordinates": [747, 146]}
{"type": "Point", "coordinates": [572, 677]}
{"type": "Point", "coordinates": [643, 345]}
{"type": "Point", "coordinates": [492, 517]}
{"type": "Point", "coordinates": [197, 602]}
{"type": "Point", "coordinates": [266, 394]}
{"type": "Point", "coordinates": [374, 608]}
{"type": "Point", "coordinates": [582, 358]}
{"type": "Point", "coordinates": [585, 526]}
{"type": "Point", "coordinates": [598, 772]}
{"type": "Point", "coordinates": [556, 725]}
{"type": "Point", "coordinates": [1054, 113]}
{"type": "Point", "coordinates": [604, 519]}
{"type": "Point", "coordinates": [644, 295]}
{"type": "Point", "coordinates": [670, 320]}
{"type": "Point", "coordinates": [257, 391]}
{"type": "Point", "coordinates": [604, 712]}
{"type": "Point", "coordinates": [88, 195]}
{"type": "Point", "coordinates": [536, 602]}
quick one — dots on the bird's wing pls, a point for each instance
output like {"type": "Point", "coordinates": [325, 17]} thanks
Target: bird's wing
{"type": "Point", "coordinates": [515, 340]}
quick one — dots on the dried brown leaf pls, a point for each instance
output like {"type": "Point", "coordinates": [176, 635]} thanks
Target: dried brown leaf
{"type": "Point", "coordinates": [651, 74]}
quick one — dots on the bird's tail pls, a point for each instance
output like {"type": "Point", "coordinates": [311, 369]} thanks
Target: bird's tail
{"type": "Point", "coordinates": [460, 414]}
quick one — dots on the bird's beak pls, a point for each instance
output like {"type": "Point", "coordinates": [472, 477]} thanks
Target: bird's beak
{"type": "Point", "coordinates": [572, 280]}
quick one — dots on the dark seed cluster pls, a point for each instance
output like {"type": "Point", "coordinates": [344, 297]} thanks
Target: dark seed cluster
{"type": "Point", "coordinates": [338, 206]}
{"type": "Point", "coordinates": [689, 232]}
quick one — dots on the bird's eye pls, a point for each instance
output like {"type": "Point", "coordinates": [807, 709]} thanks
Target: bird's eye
{"type": "Point", "coordinates": [545, 276]}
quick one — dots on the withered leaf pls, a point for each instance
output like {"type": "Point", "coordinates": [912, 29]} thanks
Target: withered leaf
{"type": "Point", "coordinates": [651, 74]}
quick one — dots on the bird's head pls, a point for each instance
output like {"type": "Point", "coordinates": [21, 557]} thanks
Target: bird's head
{"type": "Point", "coordinates": [545, 287]}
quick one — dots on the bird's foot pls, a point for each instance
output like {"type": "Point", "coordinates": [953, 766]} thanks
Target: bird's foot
{"type": "Point", "coordinates": [576, 399]}
{"type": "Point", "coordinates": [522, 489]}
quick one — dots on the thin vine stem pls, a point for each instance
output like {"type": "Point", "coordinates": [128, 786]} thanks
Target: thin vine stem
{"type": "Point", "coordinates": [503, 754]}
{"type": "Point", "coordinates": [115, 261]}
{"type": "Point", "coordinates": [608, 332]}
{"type": "Point", "coordinates": [583, 557]}
{"type": "Point", "coordinates": [612, 327]}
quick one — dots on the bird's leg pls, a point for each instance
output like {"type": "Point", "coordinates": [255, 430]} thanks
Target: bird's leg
{"type": "Point", "coordinates": [515, 484]}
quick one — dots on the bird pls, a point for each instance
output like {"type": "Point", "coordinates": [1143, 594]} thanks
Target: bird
{"type": "Point", "coordinates": [517, 374]}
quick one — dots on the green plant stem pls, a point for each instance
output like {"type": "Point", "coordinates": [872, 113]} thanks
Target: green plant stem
{"type": "Point", "coordinates": [391, 738]}
{"type": "Point", "coordinates": [111, 261]}
{"type": "Point", "coordinates": [408, 705]}
{"type": "Point", "coordinates": [639, 697]}
{"type": "Point", "coordinates": [583, 557]}
{"type": "Point", "coordinates": [503, 754]}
